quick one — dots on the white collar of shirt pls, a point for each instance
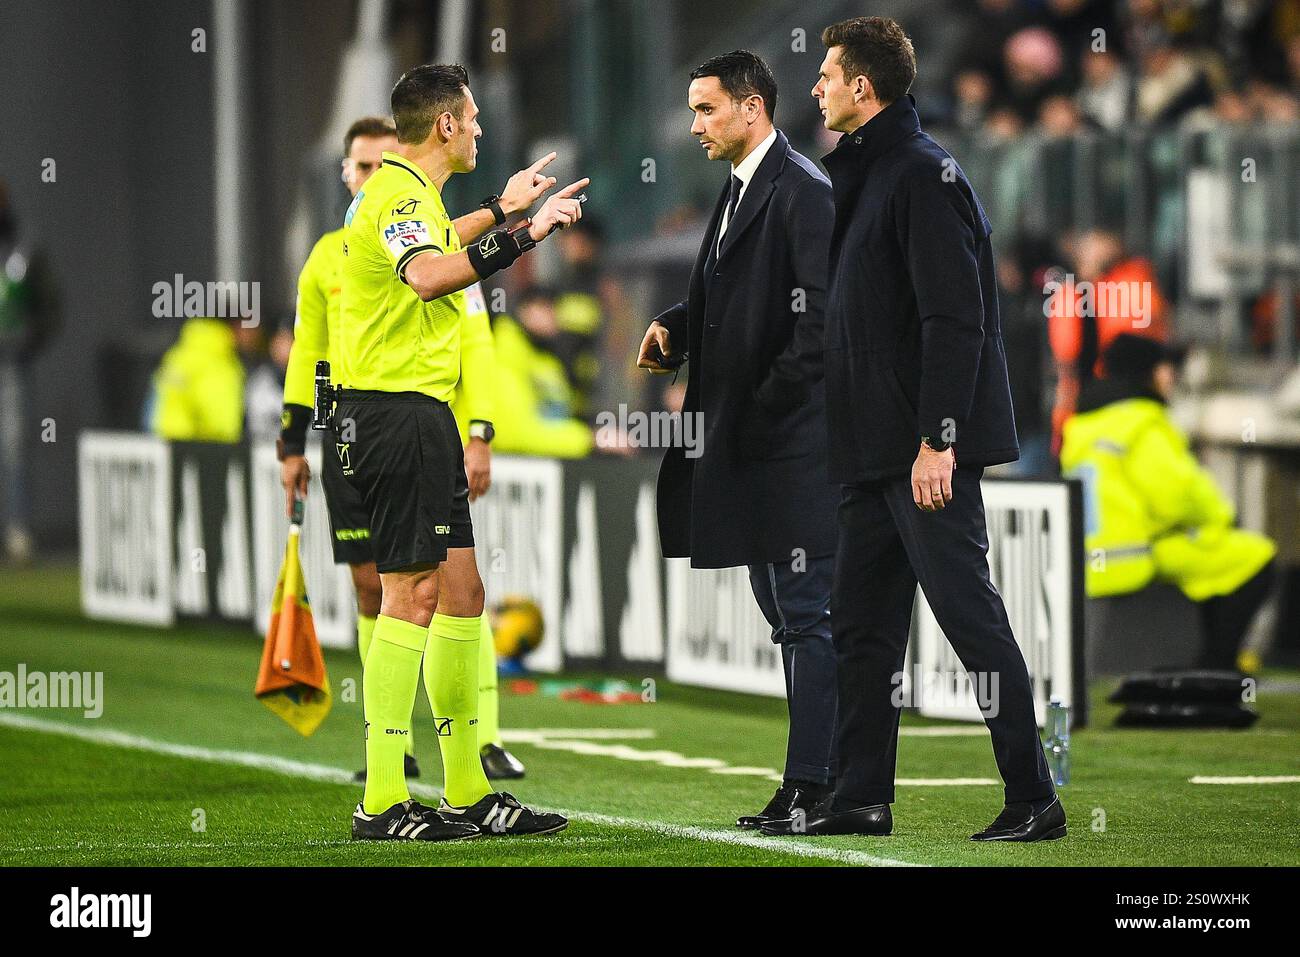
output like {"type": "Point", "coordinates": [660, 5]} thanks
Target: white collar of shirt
{"type": "Point", "coordinates": [745, 170]}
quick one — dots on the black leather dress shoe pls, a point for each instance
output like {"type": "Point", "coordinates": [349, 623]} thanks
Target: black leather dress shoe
{"type": "Point", "coordinates": [499, 764]}
{"type": "Point", "coordinates": [874, 819]}
{"type": "Point", "coordinates": [1018, 822]}
{"type": "Point", "coordinates": [790, 795]}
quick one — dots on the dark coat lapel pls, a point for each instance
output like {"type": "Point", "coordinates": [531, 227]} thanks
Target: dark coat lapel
{"type": "Point", "coordinates": [760, 189]}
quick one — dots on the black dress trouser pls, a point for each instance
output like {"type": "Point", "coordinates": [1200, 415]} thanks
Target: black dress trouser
{"type": "Point", "coordinates": [886, 545]}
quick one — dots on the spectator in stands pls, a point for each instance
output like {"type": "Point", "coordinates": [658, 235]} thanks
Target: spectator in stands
{"type": "Point", "coordinates": [1106, 96]}
{"type": "Point", "coordinates": [1034, 67]}
{"type": "Point", "coordinates": [1081, 25]}
{"type": "Point", "coordinates": [1059, 117]}
{"type": "Point", "coordinates": [1151, 512]}
{"type": "Point", "coordinates": [580, 309]}
{"type": "Point", "coordinates": [533, 398]}
{"type": "Point", "coordinates": [264, 367]}
{"type": "Point", "coordinates": [1109, 292]}
{"type": "Point", "coordinates": [1171, 83]}
{"type": "Point", "coordinates": [199, 385]}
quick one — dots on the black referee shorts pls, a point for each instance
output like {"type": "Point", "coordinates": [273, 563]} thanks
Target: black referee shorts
{"type": "Point", "coordinates": [349, 517]}
{"type": "Point", "coordinates": [401, 453]}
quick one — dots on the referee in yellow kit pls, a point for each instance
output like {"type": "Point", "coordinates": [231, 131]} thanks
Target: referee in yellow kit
{"type": "Point", "coordinates": [399, 447]}
{"type": "Point", "coordinates": [316, 322]}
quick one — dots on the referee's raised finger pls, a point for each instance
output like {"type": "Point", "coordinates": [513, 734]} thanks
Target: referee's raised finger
{"type": "Point", "coordinates": [543, 162]}
{"type": "Point", "coordinates": [574, 187]}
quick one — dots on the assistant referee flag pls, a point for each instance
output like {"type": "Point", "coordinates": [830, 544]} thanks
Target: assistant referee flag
{"type": "Point", "coordinates": [292, 681]}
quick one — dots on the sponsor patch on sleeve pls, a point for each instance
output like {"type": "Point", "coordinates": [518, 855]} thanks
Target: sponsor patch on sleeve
{"type": "Point", "coordinates": [406, 234]}
{"type": "Point", "coordinates": [474, 301]}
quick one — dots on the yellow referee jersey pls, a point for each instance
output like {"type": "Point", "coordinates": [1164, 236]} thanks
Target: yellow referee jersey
{"type": "Point", "coordinates": [389, 340]}
{"type": "Point", "coordinates": [316, 323]}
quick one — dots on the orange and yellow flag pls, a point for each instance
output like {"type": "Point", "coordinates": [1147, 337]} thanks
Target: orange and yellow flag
{"type": "Point", "coordinates": [292, 681]}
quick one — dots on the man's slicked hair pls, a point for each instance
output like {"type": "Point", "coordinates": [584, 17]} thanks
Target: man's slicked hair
{"type": "Point", "coordinates": [371, 127]}
{"type": "Point", "coordinates": [742, 74]}
{"type": "Point", "coordinates": [877, 48]}
{"type": "Point", "coordinates": [423, 94]}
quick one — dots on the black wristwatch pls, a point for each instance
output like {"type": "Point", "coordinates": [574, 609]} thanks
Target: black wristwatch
{"type": "Point", "coordinates": [493, 203]}
{"type": "Point", "coordinates": [935, 445]}
{"type": "Point", "coordinates": [482, 429]}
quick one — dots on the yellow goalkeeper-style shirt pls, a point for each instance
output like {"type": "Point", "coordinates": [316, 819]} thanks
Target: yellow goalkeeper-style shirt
{"type": "Point", "coordinates": [389, 340]}
{"type": "Point", "coordinates": [473, 401]}
{"type": "Point", "coordinates": [316, 324]}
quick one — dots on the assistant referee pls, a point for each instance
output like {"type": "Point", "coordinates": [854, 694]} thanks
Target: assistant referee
{"type": "Point", "coordinates": [399, 447]}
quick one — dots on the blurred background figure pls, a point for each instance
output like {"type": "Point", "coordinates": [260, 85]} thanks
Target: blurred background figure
{"type": "Point", "coordinates": [27, 321]}
{"type": "Point", "coordinates": [265, 360]}
{"type": "Point", "coordinates": [1108, 293]}
{"type": "Point", "coordinates": [1150, 511]}
{"type": "Point", "coordinates": [580, 310]}
{"type": "Point", "coordinates": [198, 390]}
{"type": "Point", "coordinates": [535, 402]}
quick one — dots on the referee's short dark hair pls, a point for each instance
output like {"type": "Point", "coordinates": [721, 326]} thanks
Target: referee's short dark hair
{"type": "Point", "coordinates": [877, 48]}
{"type": "Point", "coordinates": [742, 74]}
{"type": "Point", "coordinates": [372, 127]}
{"type": "Point", "coordinates": [425, 93]}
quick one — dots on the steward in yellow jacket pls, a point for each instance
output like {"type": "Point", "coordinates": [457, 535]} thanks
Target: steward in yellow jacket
{"type": "Point", "coordinates": [199, 386]}
{"type": "Point", "coordinates": [533, 399]}
{"type": "Point", "coordinates": [1151, 512]}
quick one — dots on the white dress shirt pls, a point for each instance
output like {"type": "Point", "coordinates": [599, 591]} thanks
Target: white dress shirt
{"type": "Point", "coordinates": [744, 171]}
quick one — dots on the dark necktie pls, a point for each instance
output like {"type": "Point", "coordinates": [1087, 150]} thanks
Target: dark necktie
{"type": "Point", "coordinates": [736, 187]}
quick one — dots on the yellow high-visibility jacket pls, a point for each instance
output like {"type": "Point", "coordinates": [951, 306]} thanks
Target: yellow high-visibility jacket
{"type": "Point", "coordinates": [199, 386]}
{"type": "Point", "coordinates": [1150, 510]}
{"type": "Point", "coordinates": [473, 400]}
{"type": "Point", "coordinates": [533, 400]}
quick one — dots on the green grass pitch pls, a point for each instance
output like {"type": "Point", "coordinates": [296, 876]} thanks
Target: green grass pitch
{"type": "Point", "coordinates": [182, 743]}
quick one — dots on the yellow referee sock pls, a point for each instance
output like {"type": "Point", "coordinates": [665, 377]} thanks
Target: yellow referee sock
{"type": "Point", "coordinates": [489, 713]}
{"type": "Point", "coordinates": [366, 634]}
{"type": "Point", "coordinates": [389, 682]}
{"type": "Point", "coordinates": [451, 679]}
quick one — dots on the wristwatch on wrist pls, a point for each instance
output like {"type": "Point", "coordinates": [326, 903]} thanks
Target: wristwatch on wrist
{"type": "Point", "coordinates": [493, 203]}
{"type": "Point", "coordinates": [935, 445]}
{"type": "Point", "coordinates": [480, 429]}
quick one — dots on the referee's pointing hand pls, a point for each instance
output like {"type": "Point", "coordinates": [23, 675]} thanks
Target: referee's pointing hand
{"type": "Point", "coordinates": [559, 210]}
{"type": "Point", "coordinates": [527, 186]}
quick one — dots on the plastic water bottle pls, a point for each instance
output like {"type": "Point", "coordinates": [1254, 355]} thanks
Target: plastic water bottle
{"type": "Point", "coordinates": [1058, 741]}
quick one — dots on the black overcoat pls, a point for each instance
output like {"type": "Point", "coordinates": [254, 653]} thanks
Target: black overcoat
{"type": "Point", "coordinates": [913, 333]}
{"type": "Point", "coordinates": [752, 323]}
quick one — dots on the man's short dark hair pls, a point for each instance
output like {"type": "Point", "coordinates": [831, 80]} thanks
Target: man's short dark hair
{"type": "Point", "coordinates": [425, 93]}
{"type": "Point", "coordinates": [374, 127]}
{"type": "Point", "coordinates": [877, 48]}
{"type": "Point", "coordinates": [742, 74]}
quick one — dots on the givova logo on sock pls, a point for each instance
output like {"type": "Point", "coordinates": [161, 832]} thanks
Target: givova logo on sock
{"type": "Point", "coordinates": [443, 727]}
{"type": "Point", "coordinates": [74, 909]}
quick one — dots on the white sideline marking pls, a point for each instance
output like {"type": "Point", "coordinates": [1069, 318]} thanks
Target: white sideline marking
{"type": "Point", "coordinates": [330, 775]}
{"type": "Point", "coordinates": [672, 759]}
{"type": "Point", "coordinates": [532, 735]}
{"type": "Point", "coordinates": [945, 731]}
{"type": "Point", "coordinates": [1247, 779]}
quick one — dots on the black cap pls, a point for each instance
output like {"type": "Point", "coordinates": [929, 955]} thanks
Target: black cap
{"type": "Point", "coordinates": [1135, 357]}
